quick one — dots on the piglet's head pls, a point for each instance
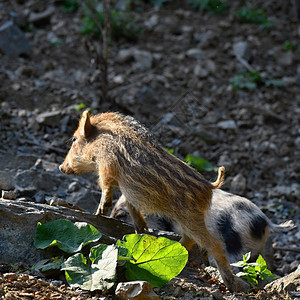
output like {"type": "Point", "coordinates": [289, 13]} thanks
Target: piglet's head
{"type": "Point", "coordinates": [78, 159]}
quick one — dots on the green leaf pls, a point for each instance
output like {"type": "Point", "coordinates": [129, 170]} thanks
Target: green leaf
{"type": "Point", "coordinates": [157, 260]}
{"type": "Point", "coordinates": [261, 261]}
{"type": "Point", "coordinates": [79, 106]}
{"type": "Point", "coordinates": [171, 151]}
{"type": "Point", "coordinates": [246, 257]}
{"type": "Point", "coordinates": [251, 279]}
{"type": "Point", "coordinates": [99, 275]}
{"type": "Point", "coordinates": [69, 237]}
{"type": "Point", "coordinates": [274, 83]}
{"type": "Point", "coordinates": [266, 275]}
{"type": "Point", "coordinates": [199, 163]}
{"type": "Point", "coordinates": [241, 274]}
{"type": "Point", "coordinates": [238, 264]}
{"type": "Point", "coordinates": [54, 265]}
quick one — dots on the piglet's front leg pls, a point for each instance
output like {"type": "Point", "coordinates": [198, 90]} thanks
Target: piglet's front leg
{"type": "Point", "coordinates": [107, 184]}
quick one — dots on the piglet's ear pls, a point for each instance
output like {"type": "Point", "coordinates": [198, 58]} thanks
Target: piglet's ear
{"type": "Point", "coordinates": [85, 126]}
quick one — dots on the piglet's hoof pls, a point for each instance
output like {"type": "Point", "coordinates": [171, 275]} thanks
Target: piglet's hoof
{"type": "Point", "coordinates": [240, 285]}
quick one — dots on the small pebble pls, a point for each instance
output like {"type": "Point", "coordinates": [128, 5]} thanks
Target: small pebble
{"type": "Point", "coordinates": [10, 276]}
{"type": "Point", "coordinates": [217, 296]}
{"type": "Point", "coordinates": [10, 195]}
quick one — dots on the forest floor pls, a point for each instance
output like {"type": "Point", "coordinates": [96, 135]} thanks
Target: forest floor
{"type": "Point", "coordinates": [174, 75]}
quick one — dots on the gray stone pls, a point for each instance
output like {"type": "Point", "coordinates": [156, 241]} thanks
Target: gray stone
{"type": "Point", "coordinates": [285, 58]}
{"type": "Point", "coordinates": [6, 180]}
{"type": "Point", "coordinates": [11, 195]}
{"type": "Point", "coordinates": [36, 17]}
{"type": "Point", "coordinates": [19, 220]}
{"type": "Point", "coordinates": [85, 199]}
{"type": "Point", "coordinates": [151, 22]}
{"type": "Point", "coordinates": [73, 187]}
{"type": "Point", "coordinates": [39, 197]}
{"type": "Point", "coordinates": [124, 56]}
{"type": "Point", "coordinates": [18, 223]}
{"type": "Point", "coordinates": [238, 184]}
{"type": "Point", "coordinates": [228, 124]}
{"type": "Point", "coordinates": [143, 60]}
{"type": "Point", "coordinates": [200, 71]}
{"type": "Point", "coordinates": [135, 290]}
{"type": "Point", "coordinates": [196, 53]}
{"type": "Point", "coordinates": [13, 41]}
{"type": "Point", "coordinates": [29, 181]}
{"type": "Point", "coordinates": [241, 49]}
{"type": "Point", "coordinates": [49, 118]}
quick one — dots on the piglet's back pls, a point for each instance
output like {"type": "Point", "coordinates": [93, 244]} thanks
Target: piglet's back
{"type": "Point", "coordinates": [149, 175]}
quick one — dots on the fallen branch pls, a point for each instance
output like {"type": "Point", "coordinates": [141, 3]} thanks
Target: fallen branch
{"type": "Point", "coordinates": [291, 249]}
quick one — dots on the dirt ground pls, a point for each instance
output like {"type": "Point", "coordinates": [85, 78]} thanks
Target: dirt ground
{"type": "Point", "coordinates": [175, 78]}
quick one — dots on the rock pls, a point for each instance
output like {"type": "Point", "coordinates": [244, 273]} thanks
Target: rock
{"type": "Point", "coordinates": [43, 16]}
{"type": "Point", "coordinates": [73, 187]}
{"type": "Point", "coordinates": [6, 180]}
{"type": "Point", "coordinates": [11, 195]}
{"type": "Point", "coordinates": [49, 118]}
{"type": "Point", "coordinates": [196, 53]}
{"type": "Point", "coordinates": [151, 22]}
{"type": "Point", "coordinates": [200, 71]}
{"type": "Point", "coordinates": [143, 60]}
{"type": "Point", "coordinates": [214, 273]}
{"type": "Point", "coordinates": [291, 192]}
{"type": "Point", "coordinates": [228, 124]}
{"type": "Point", "coordinates": [241, 49]}
{"type": "Point", "coordinates": [29, 181]}
{"type": "Point", "coordinates": [285, 59]}
{"type": "Point", "coordinates": [294, 265]}
{"type": "Point", "coordinates": [85, 199]}
{"type": "Point", "coordinates": [135, 290]}
{"type": "Point", "coordinates": [18, 223]}
{"type": "Point", "coordinates": [13, 41]}
{"type": "Point", "coordinates": [217, 296]}
{"type": "Point", "coordinates": [225, 161]}
{"type": "Point", "coordinates": [238, 184]}
{"type": "Point", "coordinates": [39, 197]}
{"type": "Point", "coordinates": [124, 56]}
{"type": "Point", "coordinates": [288, 284]}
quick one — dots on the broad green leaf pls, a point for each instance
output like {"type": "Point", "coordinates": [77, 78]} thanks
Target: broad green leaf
{"type": "Point", "coordinates": [69, 237]}
{"type": "Point", "coordinates": [157, 260]}
{"type": "Point", "coordinates": [99, 275]}
{"type": "Point", "coordinates": [199, 163]}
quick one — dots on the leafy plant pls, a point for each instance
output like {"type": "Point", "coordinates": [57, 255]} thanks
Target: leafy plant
{"type": "Point", "coordinates": [156, 260]}
{"type": "Point", "coordinates": [144, 257]}
{"type": "Point", "coordinates": [67, 236]}
{"type": "Point", "coordinates": [289, 46]}
{"type": "Point", "coordinates": [122, 25]}
{"type": "Point", "coordinates": [251, 80]}
{"type": "Point", "coordinates": [199, 163]}
{"type": "Point", "coordinates": [97, 272]}
{"type": "Point", "coordinates": [252, 271]}
{"type": "Point", "coordinates": [159, 3]}
{"type": "Point", "coordinates": [69, 6]}
{"type": "Point", "coordinates": [254, 16]}
{"type": "Point", "coordinates": [212, 6]}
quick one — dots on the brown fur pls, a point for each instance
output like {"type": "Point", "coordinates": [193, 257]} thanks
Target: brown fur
{"type": "Point", "coordinates": [124, 153]}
